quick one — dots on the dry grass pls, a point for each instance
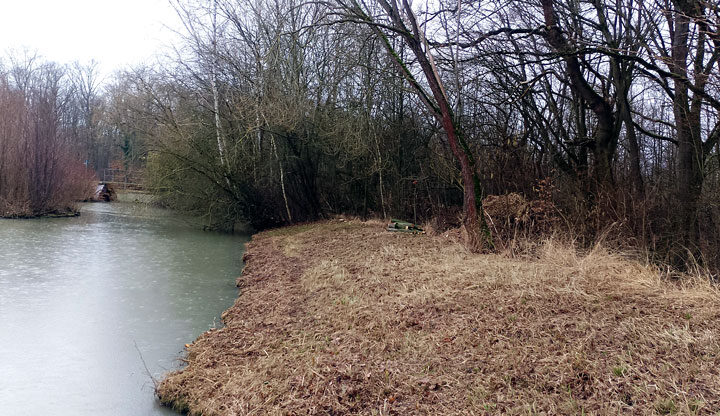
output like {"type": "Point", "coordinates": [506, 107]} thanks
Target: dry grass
{"type": "Point", "coordinates": [344, 318]}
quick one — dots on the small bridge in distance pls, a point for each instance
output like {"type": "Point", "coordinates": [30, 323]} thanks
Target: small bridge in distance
{"type": "Point", "coordinates": [123, 179]}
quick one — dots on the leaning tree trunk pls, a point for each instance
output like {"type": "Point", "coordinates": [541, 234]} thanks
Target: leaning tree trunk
{"type": "Point", "coordinates": [477, 232]}
{"type": "Point", "coordinates": [478, 237]}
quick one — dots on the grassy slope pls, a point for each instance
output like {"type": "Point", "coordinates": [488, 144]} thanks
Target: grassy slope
{"type": "Point", "coordinates": [340, 318]}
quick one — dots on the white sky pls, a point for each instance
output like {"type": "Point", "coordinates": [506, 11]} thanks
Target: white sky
{"type": "Point", "coordinates": [116, 33]}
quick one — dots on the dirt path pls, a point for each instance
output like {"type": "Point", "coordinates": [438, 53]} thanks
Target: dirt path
{"type": "Point", "coordinates": [345, 318]}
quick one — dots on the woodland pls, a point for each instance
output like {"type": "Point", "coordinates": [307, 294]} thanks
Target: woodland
{"type": "Point", "coordinates": [601, 117]}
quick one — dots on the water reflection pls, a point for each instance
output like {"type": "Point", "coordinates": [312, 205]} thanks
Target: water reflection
{"type": "Point", "coordinates": [80, 296]}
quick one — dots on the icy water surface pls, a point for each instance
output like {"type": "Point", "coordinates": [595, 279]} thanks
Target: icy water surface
{"type": "Point", "coordinates": [83, 301]}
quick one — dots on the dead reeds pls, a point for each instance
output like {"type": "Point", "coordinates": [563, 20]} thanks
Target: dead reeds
{"type": "Point", "coordinates": [344, 318]}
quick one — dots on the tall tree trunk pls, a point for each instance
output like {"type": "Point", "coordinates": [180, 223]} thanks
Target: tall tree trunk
{"type": "Point", "coordinates": [622, 89]}
{"type": "Point", "coordinates": [213, 82]}
{"type": "Point", "coordinates": [622, 74]}
{"type": "Point", "coordinates": [636, 178]}
{"type": "Point", "coordinates": [605, 140]}
{"type": "Point", "coordinates": [689, 167]}
{"type": "Point", "coordinates": [282, 178]}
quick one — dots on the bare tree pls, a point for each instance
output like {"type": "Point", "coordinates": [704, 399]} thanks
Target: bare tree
{"type": "Point", "coordinates": [39, 173]}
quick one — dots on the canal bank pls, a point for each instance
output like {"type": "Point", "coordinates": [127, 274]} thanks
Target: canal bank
{"type": "Point", "coordinates": [346, 318]}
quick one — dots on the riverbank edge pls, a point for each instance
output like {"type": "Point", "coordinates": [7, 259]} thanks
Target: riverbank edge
{"type": "Point", "coordinates": [344, 318]}
{"type": "Point", "coordinates": [52, 214]}
{"type": "Point", "coordinates": [178, 400]}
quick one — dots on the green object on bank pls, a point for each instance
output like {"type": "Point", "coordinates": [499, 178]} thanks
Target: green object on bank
{"type": "Point", "coordinates": [404, 226]}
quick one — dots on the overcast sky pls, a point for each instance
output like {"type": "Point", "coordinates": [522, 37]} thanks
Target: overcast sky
{"type": "Point", "coordinates": [115, 33]}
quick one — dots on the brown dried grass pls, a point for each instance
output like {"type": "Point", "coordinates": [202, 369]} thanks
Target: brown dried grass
{"type": "Point", "coordinates": [344, 318]}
